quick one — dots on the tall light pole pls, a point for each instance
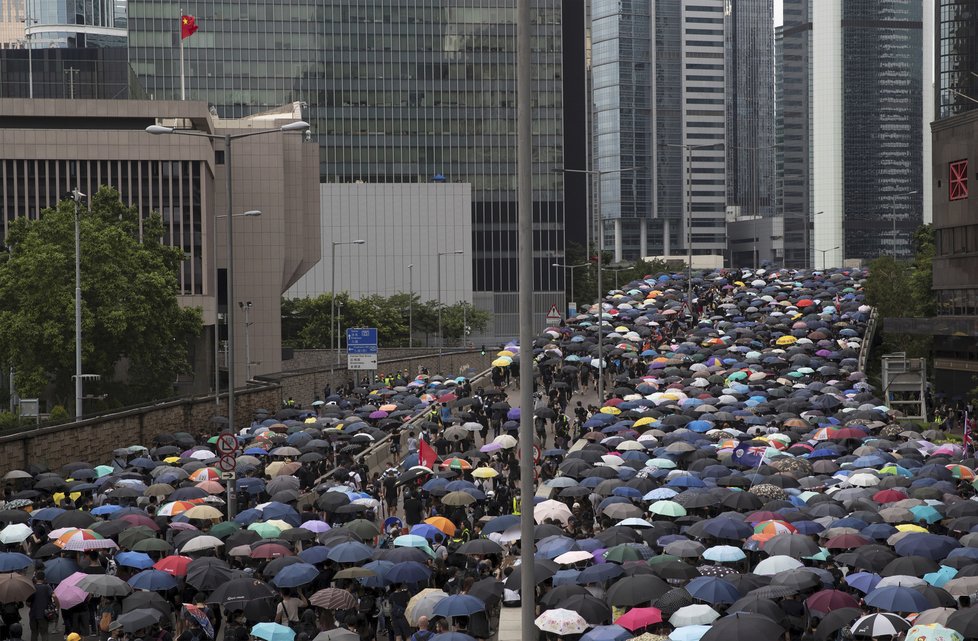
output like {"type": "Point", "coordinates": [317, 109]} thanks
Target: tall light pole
{"type": "Point", "coordinates": [689, 216]}
{"type": "Point", "coordinates": [246, 308]}
{"type": "Point", "coordinates": [217, 325]}
{"type": "Point", "coordinates": [617, 271]}
{"type": "Point", "coordinates": [411, 305]}
{"type": "Point", "coordinates": [228, 138]}
{"type": "Point", "coordinates": [893, 198]}
{"type": "Point", "coordinates": [809, 257]}
{"type": "Point", "coordinates": [28, 21]}
{"type": "Point", "coordinates": [441, 337]}
{"type": "Point", "coordinates": [77, 196]}
{"type": "Point", "coordinates": [825, 251]}
{"type": "Point", "coordinates": [332, 288]}
{"type": "Point", "coordinates": [571, 280]}
{"type": "Point", "coordinates": [600, 173]}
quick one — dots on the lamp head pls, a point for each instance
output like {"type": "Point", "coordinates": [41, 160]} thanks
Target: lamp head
{"type": "Point", "coordinates": [252, 213]}
{"type": "Point", "coordinates": [359, 242]}
{"type": "Point", "coordinates": [159, 129]}
{"type": "Point", "coordinates": [298, 125]}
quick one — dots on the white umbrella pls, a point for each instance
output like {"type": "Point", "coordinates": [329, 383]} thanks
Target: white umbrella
{"type": "Point", "coordinates": [15, 533]}
{"type": "Point", "coordinates": [694, 615]}
{"type": "Point", "coordinates": [864, 479]}
{"type": "Point", "coordinates": [199, 543]}
{"type": "Point", "coordinates": [574, 556]}
{"type": "Point", "coordinates": [776, 564]}
{"type": "Point", "coordinates": [551, 510]}
{"type": "Point", "coordinates": [561, 622]}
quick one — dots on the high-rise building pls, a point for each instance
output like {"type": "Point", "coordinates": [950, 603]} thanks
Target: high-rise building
{"type": "Point", "coordinates": [751, 148]}
{"type": "Point", "coordinates": [794, 66]}
{"type": "Point", "coordinates": [867, 127]}
{"type": "Point", "coordinates": [778, 121]}
{"type": "Point", "coordinates": [659, 125]}
{"type": "Point", "coordinates": [398, 92]}
{"type": "Point", "coordinates": [957, 56]}
{"type": "Point", "coordinates": [73, 49]}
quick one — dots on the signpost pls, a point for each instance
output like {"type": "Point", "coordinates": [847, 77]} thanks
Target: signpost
{"type": "Point", "coordinates": [361, 348]}
{"type": "Point", "coordinates": [553, 316]}
{"type": "Point", "coordinates": [227, 450]}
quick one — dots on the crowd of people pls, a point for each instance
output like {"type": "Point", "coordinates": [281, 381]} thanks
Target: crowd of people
{"type": "Point", "coordinates": [739, 479]}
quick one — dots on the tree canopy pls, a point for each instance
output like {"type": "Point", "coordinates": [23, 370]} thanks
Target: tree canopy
{"type": "Point", "coordinates": [134, 333]}
{"type": "Point", "coordinates": [306, 321]}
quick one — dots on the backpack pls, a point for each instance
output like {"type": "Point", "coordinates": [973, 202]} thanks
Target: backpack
{"type": "Point", "coordinates": [386, 609]}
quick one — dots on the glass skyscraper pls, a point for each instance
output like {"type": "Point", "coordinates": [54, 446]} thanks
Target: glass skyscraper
{"type": "Point", "coordinates": [957, 56]}
{"type": "Point", "coordinates": [400, 91]}
{"type": "Point", "coordinates": [659, 98]}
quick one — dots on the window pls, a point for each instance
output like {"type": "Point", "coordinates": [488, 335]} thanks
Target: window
{"type": "Point", "coordinates": [957, 180]}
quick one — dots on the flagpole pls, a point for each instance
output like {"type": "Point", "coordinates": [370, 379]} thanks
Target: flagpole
{"type": "Point", "coordinates": [183, 85]}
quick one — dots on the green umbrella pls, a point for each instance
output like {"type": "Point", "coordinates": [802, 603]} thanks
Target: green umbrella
{"type": "Point", "coordinates": [622, 553]}
{"type": "Point", "coordinates": [663, 558]}
{"type": "Point", "coordinates": [667, 508]}
{"type": "Point", "coordinates": [362, 528]}
{"type": "Point", "coordinates": [133, 535]}
{"type": "Point", "coordinates": [265, 530]}
{"type": "Point", "coordinates": [151, 545]}
{"type": "Point", "coordinates": [224, 529]}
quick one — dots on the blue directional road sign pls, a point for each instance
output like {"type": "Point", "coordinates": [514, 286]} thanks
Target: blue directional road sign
{"type": "Point", "coordinates": [361, 348]}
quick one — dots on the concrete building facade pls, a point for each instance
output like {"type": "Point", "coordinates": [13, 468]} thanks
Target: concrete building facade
{"type": "Point", "coordinates": [48, 147]}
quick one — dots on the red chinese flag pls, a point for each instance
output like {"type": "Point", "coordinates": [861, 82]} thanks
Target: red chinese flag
{"type": "Point", "coordinates": [426, 455]}
{"type": "Point", "coordinates": [188, 26]}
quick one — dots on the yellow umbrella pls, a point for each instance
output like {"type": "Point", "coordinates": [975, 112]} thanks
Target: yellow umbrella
{"type": "Point", "coordinates": [203, 512]}
{"type": "Point", "coordinates": [645, 420]}
{"type": "Point", "coordinates": [614, 411]}
{"type": "Point", "coordinates": [786, 340]}
{"type": "Point", "coordinates": [503, 361]}
{"type": "Point", "coordinates": [484, 473]}
{"type": "Point", "coordinates": [505, 352]}
{"type": "Point", "coordinates": [911, 527]}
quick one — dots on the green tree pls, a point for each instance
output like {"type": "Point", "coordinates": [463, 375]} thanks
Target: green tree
{"type": "Point", "coordinates": [131, 321]}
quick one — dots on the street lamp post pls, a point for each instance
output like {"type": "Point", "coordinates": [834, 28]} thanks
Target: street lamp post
{"type": "Point", "coordinates": [600, 244]}
{"type": "Point", "coordinates": [689, 216]}
{"type": "Point", "coordinates": [411, 305]}
{"type": "Point", "coordinates": [217, 343]}
{"type": "Point", "coordinates": [441, 337]}
{"type": "Point", "coordinates": [893, 198]}
{"type": "Point", "coordinates": [332, 288]}
{"type": "Point", "coordinates": [571, 281]}
{"type": "Point", "coordinates": [825, 251]}
{"type": "Point", "coordinates": [246, 308]}
{"type": "Point", "coordinates": [298, 125]}
{"type": "Point", "coordinates": [809, 258]}
{"type": "Point", "coordinates": [77, 196]}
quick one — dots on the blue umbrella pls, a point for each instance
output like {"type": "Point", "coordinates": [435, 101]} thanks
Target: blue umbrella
{"type": "Point", "coordinates": [408, 572]}
{"type": "Point", "coordinates": [273, 632]}
{"type": "Point", "coordinates": [57, 570]}
{"type": "Point", "coordinates": [553, 546]}
{"type": "Point", "coordinates": [138, 560]}
{"type": "Point", "coordinates": [315, 554]}
{"type": "Point", "coordinates": [458, 605]}
{"type": "Point", "coordinates": [932, 546]}
{"type": "Point", "coordinates": [500, 524]}
{"type": "Point", "coordinates": [895, 598]}
{"type": "Point", "coordinates": [724, 528]}
{"type": "Point", "coordinates": [350, 552]}
{"type": "Point", "coordinates": [607, 633]}
{"type": "Point", "coordinates": [599, 573]}
{"type": "Point", "coordinates": [14, 562]}
{"type": "Point", "coordinates": [153, 580]}
{"type": "Point", "coordinates": [712, 590]}
{"type": "Point", "coordinates": [865, 582]}
{"type": "Point", "coordinates": [565, 577]}
{"type": "Point", "coordinates": [379, 581]}
{"type": "Point", "coordinates": [46, 514]}
{"type": "Point", "coordinates": [292, 576]}
{"type": "Point", "coordinates": [102, 510]}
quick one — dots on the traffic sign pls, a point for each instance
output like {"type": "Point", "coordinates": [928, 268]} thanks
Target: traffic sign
{"type": "Point", "coordinates": [361, 348]}
{"type": "Point", "coordinates": [226, 463]}
{"type": "Point", "coordinates": [227, 476]}
{"type": "Point", "coordinates": [227, 444]}
{"type": "Point", "coordinates": [553, 316]}
{"type": "Point", "coordinates": [536, 453]}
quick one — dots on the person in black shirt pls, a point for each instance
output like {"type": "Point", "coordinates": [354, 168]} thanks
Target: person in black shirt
{"type": "Point", "coordinates": [413, 509]}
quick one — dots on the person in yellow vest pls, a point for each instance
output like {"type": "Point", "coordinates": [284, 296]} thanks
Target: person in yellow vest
{"type": "Point", "coordinates": [516, 503]}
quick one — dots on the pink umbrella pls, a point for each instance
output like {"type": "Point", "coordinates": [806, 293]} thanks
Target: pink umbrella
{"type": "Point", "coordinates": [638, 618]}
{"type": "Point", "coordinates": [315, 526]}
{"type": "Point", "coordinates": [68, 593]}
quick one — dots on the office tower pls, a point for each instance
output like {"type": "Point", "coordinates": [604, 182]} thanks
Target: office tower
{"type": "Point", "coordinates": [957, 58]}
{"type": "Point", "coordinates": [658, 95]}
{"type": "Point", "coordinates": [64, 49]}
{"type": "Point", "coordinates": [400, 92]}
{"type": "Point", "coordinates": [778, 121]}
{"type": "Point", "coordinates": [750, 136]}
{"type": "Point", "coordinates": [795, 118]}
{"type": "Point", "coordinates": [867, 165]}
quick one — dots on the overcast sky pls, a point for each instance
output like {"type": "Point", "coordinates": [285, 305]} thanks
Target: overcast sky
{"type": "Point", "coordinates": [778, 7]}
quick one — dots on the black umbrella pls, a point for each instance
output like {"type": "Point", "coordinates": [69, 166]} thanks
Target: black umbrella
{"type": "Point", "coordinates": [636, 589]}
{"type": "Point", "coordinates": [236, 593]}
{"type": "Point", "coordinates": [743, 627]}
{"type": "Point", "coordinates": [594, 611]}
{"type": "Point", "coordinates": [208, 573]}
{"type": "Point", "coordinates": [834, 621]}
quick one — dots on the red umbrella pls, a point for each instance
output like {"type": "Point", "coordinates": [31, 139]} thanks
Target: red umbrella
{"type": "Point", "coordinates": [827, 600]}
{"type": "Point", "coordinates": [139, 519]}
{"type": "Point", "coordinates": [270, 551]}
{"type": "Point", "coordinates": [173, 564]}
{"type": "Point", "coordinates": [847, 542]}
{"type": "Point", "coordinates": [847, 432]}
{"type": "Point", "coordinates": [889, 496]}
{"type": "Point", "coordinates": [638, 618]}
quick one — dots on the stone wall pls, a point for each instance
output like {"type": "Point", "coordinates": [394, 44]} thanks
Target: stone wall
{"type": "Point", "coordinates": [94, 439]}
{"type": "Point", "coordinates": [303, 359]}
